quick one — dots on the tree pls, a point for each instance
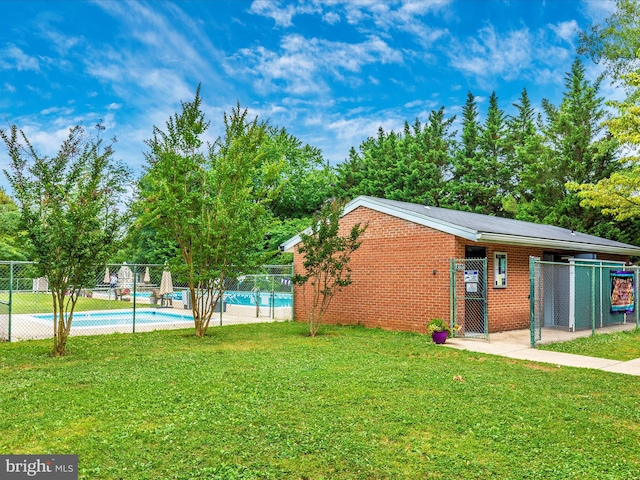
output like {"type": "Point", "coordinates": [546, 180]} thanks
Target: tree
{"type": "Point", "coordinates": [617, 44]}
{"type": "Point", "coordinates": [212, 203]}
{"type": "Point", "coordinates": [523, 149]}
{"type": "Point", "coordinates": [14, 243]}
{"type": "Point", "coordinates": [617, 194]}
{"type": "Point", "coordinates": [307, 179]}
{"type": "Point", "coordinates": [480, 174]}
{"type": "Point", "coordinates": [577, 148]}
{"type": "Point", "coordinates": [410, 166]}
{"type": "Point", "coordinates": [71, 211]}
{"type": "Point", "coordinates": [326, 260]}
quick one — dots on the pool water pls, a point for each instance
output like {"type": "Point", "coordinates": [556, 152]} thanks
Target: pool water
{"type": "Point", "coordinates": [265, 299]}
{"type": "Point", "coordinates": [174, 295]}
{"type": "Point", "coordinates": [239, 298]}
{"type": "Point", "coordinates": [121, 317]}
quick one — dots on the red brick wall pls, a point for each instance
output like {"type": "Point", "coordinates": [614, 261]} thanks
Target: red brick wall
{"type": "Point", "coordinates": [394, 284]}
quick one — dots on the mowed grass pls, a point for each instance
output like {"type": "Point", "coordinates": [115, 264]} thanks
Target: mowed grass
{"type": "Point", "coordinates": [26, 302]}
{"type": "Point", "coordinates": [622, 346]}
{"type": "Point", "coordinates": [266, 401]}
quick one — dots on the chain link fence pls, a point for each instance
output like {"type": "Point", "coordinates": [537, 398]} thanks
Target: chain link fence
{"type": "Point", "coordinates": [580, 298]}
{"type": "Point", "coordinates": [130, 298]}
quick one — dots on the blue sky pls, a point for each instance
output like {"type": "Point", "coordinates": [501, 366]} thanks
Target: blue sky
{"type": "Point", "coordinates": [329, 71]}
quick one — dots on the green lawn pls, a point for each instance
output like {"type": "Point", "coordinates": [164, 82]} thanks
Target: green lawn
{"type": "Point", "coordinates": [615, 346]}
{"type": "Point", "coordinates": [266, 401]}
{"type": "Point", "coordinates": [26, 302]}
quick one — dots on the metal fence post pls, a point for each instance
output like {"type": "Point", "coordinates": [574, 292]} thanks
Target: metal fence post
{"type": "Point", "coordinates": [636, 298]}
{"type": "Point", "coordinates": [593, 300]}
{"type": "Point", "coordinates": [485, 289]}
{"type": "Point", "coordinates": [135, 284]}
{"type": "Point", "coordinates": [10, 299]}
{"type": "Point", "coordinates": [532, 301]}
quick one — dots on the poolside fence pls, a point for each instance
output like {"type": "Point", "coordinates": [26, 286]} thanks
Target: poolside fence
{"type": "Point", "coordinates": [581, 298]}
{"type": "Point", "coordinates": [130, 298]}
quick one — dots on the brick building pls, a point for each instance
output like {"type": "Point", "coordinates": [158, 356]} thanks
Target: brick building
{"type": "Point", "coordinates": [415, 264]}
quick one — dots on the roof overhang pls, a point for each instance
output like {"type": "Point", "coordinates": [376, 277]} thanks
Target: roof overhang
{"type": "Point", "coordinates": [556, 244]}
{"type": "Point", "coordinates": [471, 234]}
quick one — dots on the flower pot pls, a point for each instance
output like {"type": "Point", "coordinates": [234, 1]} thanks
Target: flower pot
{"type": "Point", "coordinates": [440, 337]}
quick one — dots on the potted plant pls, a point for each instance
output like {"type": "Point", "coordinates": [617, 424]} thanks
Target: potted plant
{"type": "Point", "coordinates": [439, 330]}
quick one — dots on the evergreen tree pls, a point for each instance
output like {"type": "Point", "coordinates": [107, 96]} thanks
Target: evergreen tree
{"type": "Point", "coordinates": [577, 149]}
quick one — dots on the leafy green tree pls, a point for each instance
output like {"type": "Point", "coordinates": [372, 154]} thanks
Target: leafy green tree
{"type": "Point", "coordinates": [326, 257]}
{"type": "Point", "coordinates": [212, 203]}
{"type": "Point", "coordinates": [617, 44]}
{"type": "Point", "coordinates": [14, 243]}
{"type": "Point", "coordinates": [70, 209]}
{"type": "Point", "coordinates": [577, 148]}
{"type": "Point", "coordinates": [307, 179]}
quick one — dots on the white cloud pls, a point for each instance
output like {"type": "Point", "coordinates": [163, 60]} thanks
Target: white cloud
{"type": "Point", "coordinates": [567, 31]}
{"type": "Point", "coordinates": [493, 54]}
{"type": "Point", "coordinates": [13, 58]}
{"type": "Point", "coordinates": [299, 65]}
{"type": "Point", "coordinates": [331, 18]}
{"type": "Point", "coordinates": [283, 16]}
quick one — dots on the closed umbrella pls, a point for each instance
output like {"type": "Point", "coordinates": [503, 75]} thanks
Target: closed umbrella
{"type": "Point", "coordinates": [166, 284]}
{"type": "Point", "coordinates": [147, 277]}
{"type": "Point", "coordinates": [107, 277]}
{"type": "Point", "coordinates": [166, 287]}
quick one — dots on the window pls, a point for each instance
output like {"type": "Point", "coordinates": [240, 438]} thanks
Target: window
{"type": "Point", "coordinates": [500, 270]}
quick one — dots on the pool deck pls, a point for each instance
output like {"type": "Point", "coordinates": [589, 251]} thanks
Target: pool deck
{"type": "Point", "coordinates": [26, 327]}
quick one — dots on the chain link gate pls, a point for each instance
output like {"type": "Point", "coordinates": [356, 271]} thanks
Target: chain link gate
{"type": "Point", "coordinates": [468, 287]}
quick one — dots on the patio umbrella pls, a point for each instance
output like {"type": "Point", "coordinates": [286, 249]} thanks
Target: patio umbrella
{"type": "Point", "coordinates": [147, 277]}
{"type": "Point", "coordinates": [107, 277]}
{"type": "Point", "coordinates": [166, 284]}
{"type": "Point", "coordinates": [125, 276]}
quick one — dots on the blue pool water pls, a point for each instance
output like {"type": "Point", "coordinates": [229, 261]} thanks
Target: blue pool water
{"type": "Point", "coordinates": [265, 299]}
{"type": "Point", "coordinates": [241, 298]}
{"type": "Point", "coordinates": [122, 317]}
{"type": "Point", "coordinates": [174, 295]}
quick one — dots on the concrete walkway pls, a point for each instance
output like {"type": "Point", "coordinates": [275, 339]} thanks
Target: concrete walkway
{"type": "Point", "coordinates": [516, 345]}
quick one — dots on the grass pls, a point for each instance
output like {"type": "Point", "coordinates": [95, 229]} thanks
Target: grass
{"type": "Point", "coordinates": [27, 302]}
{"type": "Point", "coordinates": [266, 401]}
{"type": "Point", "coordinates": [621, 346]}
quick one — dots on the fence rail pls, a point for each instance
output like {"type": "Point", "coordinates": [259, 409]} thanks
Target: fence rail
{"type": "Point", "coordinates": [136, 297]}
{"type": "Point", "coordinates": [580, 298]}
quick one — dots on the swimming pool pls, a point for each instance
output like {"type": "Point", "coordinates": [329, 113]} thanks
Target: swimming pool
{"type": "Point", "coordinates": [121, 317]}
{"type": "Point", "coordinates": [266, 299]}
{"type": "Point", "coordinates": [232, 297]}
{"type": "Point", "coordinates": [174, 295]}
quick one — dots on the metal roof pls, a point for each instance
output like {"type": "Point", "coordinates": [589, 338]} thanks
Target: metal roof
{"type": "Point", "coordinates": [488, 229]}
